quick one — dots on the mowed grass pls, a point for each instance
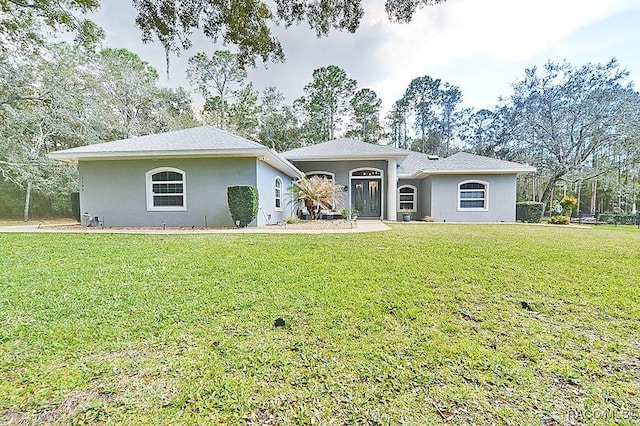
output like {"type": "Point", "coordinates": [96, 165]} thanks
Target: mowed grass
{"type": "Point", "coordinates": [423, 324]}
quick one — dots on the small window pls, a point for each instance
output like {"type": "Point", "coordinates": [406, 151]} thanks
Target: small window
{"type": "Point", "coordinates": [472, 196]}
{"type": "Point", "coordinates": [407, 197]}
{"type": "Point", "coordinates": [278, 194]}
{"type": "Point", "coordinates": [366, 173]}
{"type": "Point", "coordinates": [323, 175]}
{"type": "Point", "coordinates": [166, 189]}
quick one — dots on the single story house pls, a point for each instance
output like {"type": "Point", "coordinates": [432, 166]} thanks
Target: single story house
{"type": "Point", "coordinates": [386, 182]}
{"type": "Point", "coordinates": [180, 178]}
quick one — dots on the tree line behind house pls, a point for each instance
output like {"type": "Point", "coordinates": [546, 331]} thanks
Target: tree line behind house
{"type": "Point", "coordinates": [577, 124]}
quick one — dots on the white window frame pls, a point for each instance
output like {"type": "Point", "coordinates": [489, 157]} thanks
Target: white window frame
{"type": "Point", "coordinates": [414, 201]}
{"type": "Point", "coordinates": [278, 194]}
{"type": "Point", "coordinates": [485, 199]}
{"type": "Point", "coordinates": [149, 184]}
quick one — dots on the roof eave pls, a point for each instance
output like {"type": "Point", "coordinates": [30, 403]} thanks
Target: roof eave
{"type": "Point", "coordinates": [349, 157]}
{"type": "Point", "coordinates": [137, 155]}
{"type": "Point", "coordinates": [277, 161]}
{"type": "Point", "coordinates": [424, 173]}
{"type": "Point", "coordinates": [266, 155]}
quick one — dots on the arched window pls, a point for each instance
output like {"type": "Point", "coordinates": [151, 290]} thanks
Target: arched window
{"type": "Point", "coordinates": [331, 177]}
{"type": "Point", "coordinates": [278, 194]}
{"type": "Point", "coordinates": [325, 175]}
{"type": "Point", "coordinates": [166, 189]}
{"type": "Point", "coordinates": [473, 195]}
{"type": "Point", "coordinates": [407, 198]}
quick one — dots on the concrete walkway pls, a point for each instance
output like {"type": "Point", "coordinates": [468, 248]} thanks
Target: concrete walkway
{"type": "Point", "coordinates": [362, 226]}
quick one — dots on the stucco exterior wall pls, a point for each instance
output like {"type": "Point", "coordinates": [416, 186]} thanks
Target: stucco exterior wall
{"type": "Point", "coordinates": [425, 200]}
{"type": "Point", "coordinates": [501, 199]}
{"type": "Point", "coordinates": [266, 183]}
{"type": "Point", "coordinates": [341, 170]}
{"type": "Point", "coordinates": [116, 190]}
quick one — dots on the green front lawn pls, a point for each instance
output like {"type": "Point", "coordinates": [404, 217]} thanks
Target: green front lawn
{"type": "Point", "coordinates": [424, 324]}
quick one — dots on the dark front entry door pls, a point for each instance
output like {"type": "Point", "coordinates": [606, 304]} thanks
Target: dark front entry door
{"type": "Point", "coordinates": [366, 197]}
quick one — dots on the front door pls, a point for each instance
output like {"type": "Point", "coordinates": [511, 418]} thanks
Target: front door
{"type": "Point", "coordinates": [366, 197]}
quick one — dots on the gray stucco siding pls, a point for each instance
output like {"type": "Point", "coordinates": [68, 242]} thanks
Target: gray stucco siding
{"type": "Point", "coordinates": [342, 169]}
{"type": "Point", "coordinates": [116, 190]}
{"type": "Point", "coordinates": [501, 199]}
{"type": "Point", "coordinates": [425, 201]}
{"type": "Point", "coordinates": [266, 183]}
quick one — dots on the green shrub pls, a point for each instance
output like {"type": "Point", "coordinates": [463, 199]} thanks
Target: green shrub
{"type": "Point", "coordinates": [619, 218]}
{"type": "Point", "coordinates": [559, 219]}
{"type": "Point", "coordinates": [243, 203]}
{"type": "Point", "coordinates": [529, 211]}
{"type": "Point", "coordinates": [568, 204]}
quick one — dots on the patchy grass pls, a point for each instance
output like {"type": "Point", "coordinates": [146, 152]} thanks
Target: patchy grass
{"type": "Point", "coordinates": [424, 324]}
{"type": "Point", "coordinates": [36, 222]}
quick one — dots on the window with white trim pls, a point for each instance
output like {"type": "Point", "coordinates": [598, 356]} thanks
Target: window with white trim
{"type": "Point", "coordinates": [325, 175]}
{"type": "Point", "coordinates": [472, 195]}
{"type": "Point", "coordinates": [278, 194]}
{"type": "Point", "coordinates": [407, 198]}
{"type": "Point", "coordinates": [166, 189]}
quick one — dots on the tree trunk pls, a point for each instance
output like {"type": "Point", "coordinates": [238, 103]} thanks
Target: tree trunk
{"type": "Point", "coordinates": [546, 194]}
{"type": "Point", "coordinates": [27, 202]}
{"type": "Point", "coordinates": [594, 193]}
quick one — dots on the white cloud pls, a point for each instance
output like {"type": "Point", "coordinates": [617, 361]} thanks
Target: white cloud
{"type": "Point", "coordinates": [482, 46]}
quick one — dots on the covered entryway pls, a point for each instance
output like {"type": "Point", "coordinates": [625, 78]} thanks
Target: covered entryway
{"type": "Point", "coordinates": [366, 192]}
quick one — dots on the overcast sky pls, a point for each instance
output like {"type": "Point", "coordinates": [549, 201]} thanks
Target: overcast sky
{"type": "Point", "coordinates": [481, 46]}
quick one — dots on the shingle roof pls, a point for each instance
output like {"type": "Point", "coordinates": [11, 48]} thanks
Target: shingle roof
{"type": "Point", "coordinates": [418, 164]}
{"type": "Point", "coordinates": [344, 149]}
{"type": "Point", "coordinates": [205, 138]}
{"type": "Point", "coordinates": [204, 141]}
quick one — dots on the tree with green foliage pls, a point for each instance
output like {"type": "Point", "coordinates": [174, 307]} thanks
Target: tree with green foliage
{"type": "Point", "coordinates": [217, 77]}
{"type": "Point", "coordinates": [326, 102]}
{"type": "Point", "coordinates": [567, 115]}
{"type": "Point", "coordinates": [24, 23]}
{"type": "Point", "coordinates": [365, 110]}
{"type": "Point", "coordinates": [423, 95]}
{"type": "Point", "coordinates": [278, 123]}
{"type": "Point", "coordinates": [396, 121]}
{"type": "Point", "coordinates": [450, 99]}
{"type": "Point", "coordinates": [47, 108]}
{"type": "Point", "coordinates": [63, 97]}
{"type": "Point", "coordinates": [129, 85]}
{"type": "Point", "coordinates": [244, 112]}
{"type": "Point", "coordinates": [247, 23]}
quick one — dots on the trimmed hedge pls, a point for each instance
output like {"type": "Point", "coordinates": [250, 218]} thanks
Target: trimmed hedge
{"type": "Point", "coordinates": [243, 203]}
{"type": "Point", "coordinates": [619, 218]}
{"type": "Point", "coordinates": [529, 211]}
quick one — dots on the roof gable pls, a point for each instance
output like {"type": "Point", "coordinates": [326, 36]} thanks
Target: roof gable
{"type": "Point", "coordinates": [344, 149]}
